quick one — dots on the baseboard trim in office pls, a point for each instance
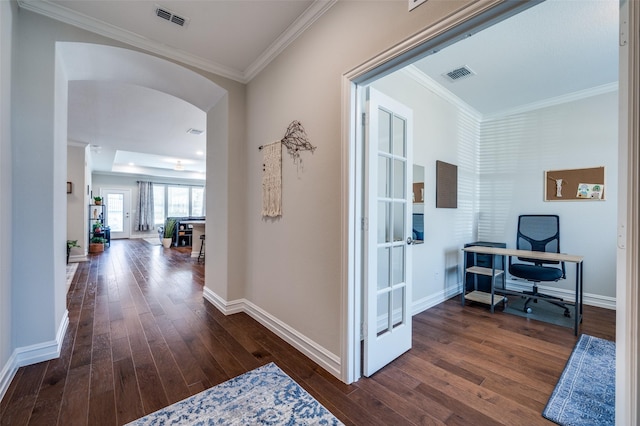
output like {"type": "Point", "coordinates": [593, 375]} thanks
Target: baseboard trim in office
{"type": "Point", "coordinates": [33, 354]}
{"type": "Point", "coordinates": [568, 295]}
{"type": "Point", "coordinates": [435, 299]}
{"type": "Point", "coordinates": [325, 358]}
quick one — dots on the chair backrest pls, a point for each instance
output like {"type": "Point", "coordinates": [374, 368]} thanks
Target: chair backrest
{"type": "Point", "coordinates": [538, 233]}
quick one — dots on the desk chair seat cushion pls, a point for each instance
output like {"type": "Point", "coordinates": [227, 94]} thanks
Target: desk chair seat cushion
{"type": "Point", "coordinates": [535, 272]}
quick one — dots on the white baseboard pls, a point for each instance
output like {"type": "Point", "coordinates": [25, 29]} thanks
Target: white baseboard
{"type": "Point", "coordinates": [77, 258]}
{"type": "Point", "coordinates": [568, 295]}
{"type": "Point", "coordinates": [435, 299]}
{"type": "Point", "coordinates": [33, 354]}
{"type": "Point", "coordinates": [323, 357]}
{"type": "Point", "coordinates": [7, 374]}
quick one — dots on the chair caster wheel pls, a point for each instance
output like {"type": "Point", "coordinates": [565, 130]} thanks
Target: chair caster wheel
{"type": "Point", "coordinates": [528, 310]}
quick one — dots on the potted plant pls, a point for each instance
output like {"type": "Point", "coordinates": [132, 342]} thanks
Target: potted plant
{"type": "Point", "coordinates": [71, 244]}
{"type": "Point", "coordinates": [97, 201]}
{"type": "Point", "coordinates": [96, 245]}
{"type": "Point", "coordinates": [97, 227]}
{"type": "Point", "coordinates": [169, 230]}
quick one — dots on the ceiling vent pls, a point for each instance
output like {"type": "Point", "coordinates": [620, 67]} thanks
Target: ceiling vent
{"type": "Point", "coordinates": [459, 73]}
{"type": "Point", "coordinates": [167, 15]}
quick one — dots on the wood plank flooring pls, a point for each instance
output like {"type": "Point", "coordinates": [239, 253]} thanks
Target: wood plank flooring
{"type": "Point", "coordinates": [142, 337]}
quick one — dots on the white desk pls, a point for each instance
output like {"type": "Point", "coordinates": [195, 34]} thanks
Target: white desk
{"type": "Point", "coordinates": [490, 298]}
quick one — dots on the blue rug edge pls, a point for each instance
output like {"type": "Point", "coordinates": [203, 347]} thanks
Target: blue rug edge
{"type": "Point", "coordinates": [556, 389]}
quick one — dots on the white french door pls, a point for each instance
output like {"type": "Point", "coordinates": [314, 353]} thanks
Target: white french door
{"type": "Point", "coordinates": [117, 211]}
{"type": "Point", "coordinates": [387, 245]}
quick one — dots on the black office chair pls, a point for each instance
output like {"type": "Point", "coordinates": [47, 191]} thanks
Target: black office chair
{"type": "Point", "coordinates": [539, 233]}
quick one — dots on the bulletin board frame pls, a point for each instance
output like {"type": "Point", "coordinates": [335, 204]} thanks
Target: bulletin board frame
{"type": "Point", "coordinates": [571, 179]}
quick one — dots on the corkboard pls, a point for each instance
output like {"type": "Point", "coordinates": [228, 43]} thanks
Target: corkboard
{"type": "Point", "coordinates": [571, 179]}
{"type": "Point", "coordinates": [446, 185]}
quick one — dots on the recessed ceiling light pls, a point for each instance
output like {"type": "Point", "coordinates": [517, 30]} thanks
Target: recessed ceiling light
{"type": "Point", "coordinates": [132, 164]}
{"type": "Point", "coordinates": [199, 153]}
{"type": "Point", "coordinates": [195, 131]}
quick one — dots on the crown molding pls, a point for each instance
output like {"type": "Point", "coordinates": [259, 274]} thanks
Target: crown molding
{"type": "Point", "coordinates": [430, 84]}
{"type": "Point", "coordinates": [558, 100]}
{"type": "Point", "coordinates": [427, 82]}
{"type": "Point", "coordinates": [79, 20]}
{"type": "Point", "coordinates": [300, 25]}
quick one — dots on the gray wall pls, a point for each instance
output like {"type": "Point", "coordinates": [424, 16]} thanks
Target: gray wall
{"type": "Point", "coordinates": [7, 19]}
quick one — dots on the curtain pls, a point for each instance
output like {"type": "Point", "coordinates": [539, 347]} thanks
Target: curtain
{"type": "Point", "coordinates": [145, 216]}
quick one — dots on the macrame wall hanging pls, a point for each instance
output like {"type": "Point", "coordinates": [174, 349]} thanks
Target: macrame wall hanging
{"type": "Point", "coordinates": [295, 140]}
{"type": "Point", "coordinates": [272, 179]}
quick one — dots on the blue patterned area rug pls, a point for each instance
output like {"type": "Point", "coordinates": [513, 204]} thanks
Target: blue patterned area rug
{"type": "Point", "coordinates": [585, 393]}
{"type": "Point", "coordinates": [264, 396]}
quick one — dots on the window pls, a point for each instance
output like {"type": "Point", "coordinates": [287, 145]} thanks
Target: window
{"type": "Point", "coordinates": [197, 201]}
{"type": "Point", "coordinates": [177, 200]}
{"type": "Point", "coordinates": [158, 204]}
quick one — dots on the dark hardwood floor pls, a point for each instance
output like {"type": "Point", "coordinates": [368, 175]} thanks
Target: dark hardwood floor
{"type": "Point", "coordinates": [142, 337]}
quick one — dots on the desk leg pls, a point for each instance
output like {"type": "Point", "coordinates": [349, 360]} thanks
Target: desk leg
{"type": "Point", "coordinates": [493, 280]}
{"type": "Point", "coordinates": [464, 278]}
{"type": "Point", "coordinates": [578, 300]}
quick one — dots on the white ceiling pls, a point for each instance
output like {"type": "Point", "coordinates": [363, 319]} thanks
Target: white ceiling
{"type": "Point", "coordinates": [551, 50]}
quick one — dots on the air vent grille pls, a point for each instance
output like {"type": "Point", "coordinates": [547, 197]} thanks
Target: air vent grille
{"type": "Point", "coordinates": [459, 73]}
{"type": "Point", "coordinates": [178, 20]}
{"type": "Point", "coordinates": [166, 14]}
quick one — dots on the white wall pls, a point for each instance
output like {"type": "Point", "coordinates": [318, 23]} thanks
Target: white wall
{"type": "Point", "coordinates": [7, 13]}
{"type": "Point", "coordinates": [442, 131]}
{"type": "Point", "coordinates": [511, 154]}
{"type": "Point", "coordinates": [514, 153]}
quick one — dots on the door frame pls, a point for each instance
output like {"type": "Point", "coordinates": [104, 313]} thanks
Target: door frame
{"type": "Point", "coordinates": [476, 16]}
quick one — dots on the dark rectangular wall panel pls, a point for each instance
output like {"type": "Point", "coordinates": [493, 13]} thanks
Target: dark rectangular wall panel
{"type": "Point", "coordinates": [446, 185]}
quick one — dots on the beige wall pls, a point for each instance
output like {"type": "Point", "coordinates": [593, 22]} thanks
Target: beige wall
{"type": "Point", "coordinates": [78, 200]}
{"type": "Point", "coordinates": [294, 264]}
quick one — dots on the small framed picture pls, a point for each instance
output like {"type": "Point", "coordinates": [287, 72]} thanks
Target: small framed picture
{"type": "Point", "coordinates": [69, 187]}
